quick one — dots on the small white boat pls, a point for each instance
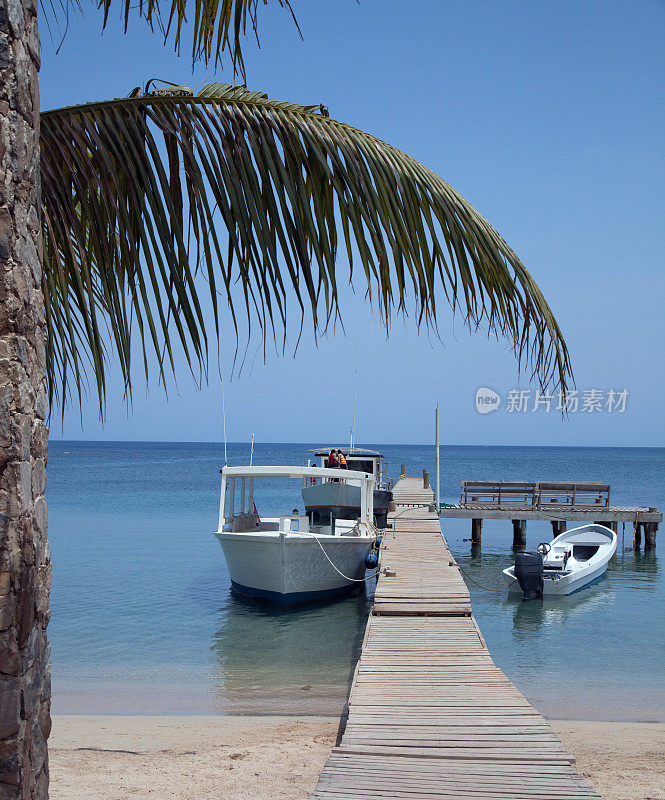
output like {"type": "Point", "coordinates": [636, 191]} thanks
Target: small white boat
{"type": "Point", "coordinates": [571, 561]}
{"type": "Point", "coordinates": [294, 558]}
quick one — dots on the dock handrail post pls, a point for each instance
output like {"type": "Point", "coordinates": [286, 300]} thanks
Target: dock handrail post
{"type": "Point", "coordinates": [438, 485]}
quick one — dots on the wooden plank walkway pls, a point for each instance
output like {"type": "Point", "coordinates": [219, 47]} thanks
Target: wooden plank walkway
{"type": "Point", "coordinates": [429, 715]}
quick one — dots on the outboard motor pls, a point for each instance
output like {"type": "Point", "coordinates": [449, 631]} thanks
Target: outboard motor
{"type": "Point", "coordinates": [529, 573]}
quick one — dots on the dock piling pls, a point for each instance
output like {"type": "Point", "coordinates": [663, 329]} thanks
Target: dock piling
{"type": "Point", "coordinates": [476, 530]}
{"type": "Point", "coordinates": [519, 534]}
{"type": "Point", "coordinates": [650, 531]}
{"type": "Point", "coordinates": [637, 536]}
{"type": "Point", "coordinates": [558, 527]}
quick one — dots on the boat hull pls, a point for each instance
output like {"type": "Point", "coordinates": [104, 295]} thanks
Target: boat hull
{"type": "Point", "coordinates": [565, 585]}
{"type": "Point", "coordinates": [287, 568]}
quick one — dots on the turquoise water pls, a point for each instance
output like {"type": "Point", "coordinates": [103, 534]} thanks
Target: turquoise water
{"type": "Point", "coordinates": [143, 619]}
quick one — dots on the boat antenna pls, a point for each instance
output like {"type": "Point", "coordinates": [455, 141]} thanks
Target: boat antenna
{"type": "Point", "coordinates": [355, 394]}
{"type": "Point", "coordinates": [251, 451]}
{"type": "Point", "coordinates": [220, 371]}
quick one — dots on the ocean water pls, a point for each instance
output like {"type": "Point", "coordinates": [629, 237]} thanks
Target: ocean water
{"type": "Point", "coordinates": [144, 621]}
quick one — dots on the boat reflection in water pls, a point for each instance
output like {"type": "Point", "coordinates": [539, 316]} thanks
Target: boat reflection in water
{"type": "Point", "coordinates": [264, 656]}
{"type": "Point", "coordinates": [532, 616]}
{"type": "Point", "coordinates": [633, 570]}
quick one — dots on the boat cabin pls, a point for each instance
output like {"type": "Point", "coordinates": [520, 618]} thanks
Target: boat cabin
{"type": "Point", "coordinates": [238, 510]}
{"type": "Point", "coordinates": [359, 460]}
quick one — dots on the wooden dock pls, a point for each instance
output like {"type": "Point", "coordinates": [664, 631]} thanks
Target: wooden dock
{"type": "Point", "coordinates": [556, 502]}
{"type": "Point", "coordinates": [429, 714]}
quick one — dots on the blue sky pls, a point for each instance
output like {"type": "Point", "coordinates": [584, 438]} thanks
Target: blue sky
{"type": "Point", "coordinates": [546, 116]}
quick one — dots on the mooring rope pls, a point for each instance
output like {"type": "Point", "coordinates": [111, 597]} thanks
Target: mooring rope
{"type": "Point", "coordinates": [486, 588]}
{"type": "Point", "coordinates": [346, 577]}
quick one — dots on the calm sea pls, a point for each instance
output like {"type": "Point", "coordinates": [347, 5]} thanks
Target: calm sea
{"type": "Point", "coordinates": [143, 619]}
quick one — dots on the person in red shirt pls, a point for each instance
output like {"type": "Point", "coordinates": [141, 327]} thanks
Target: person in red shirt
{"type": "Point", "coordinates": [333, 463]}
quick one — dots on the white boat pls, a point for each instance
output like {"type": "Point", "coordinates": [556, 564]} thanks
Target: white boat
{"type": "Point", "coordinates": [571, 561]}
{"type": "Point", "coordinates": [293, 558]}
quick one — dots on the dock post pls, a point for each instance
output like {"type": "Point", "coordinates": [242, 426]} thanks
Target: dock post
{"type": "Point", "coordinates": [402, 470]}
{"type": "Point", "coordinates": [637, 535]}
{"type": "Point", "coordinates": [650, 530]}
{"type": "Point", "coordinates": [558, 526]}
{"type": "Point", "coordinates": [476, 531]}
{"type": "Point", "coordinates": [613, 526]}
{"type": "Point", "coordinates": [425, 479]}
{"type": "Point", "coordinates": [519, 534]}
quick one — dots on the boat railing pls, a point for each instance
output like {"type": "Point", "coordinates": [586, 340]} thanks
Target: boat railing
{"type": "Point", "coordinates": [314, 481]}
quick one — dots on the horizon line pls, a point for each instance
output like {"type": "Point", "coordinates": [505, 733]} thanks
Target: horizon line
{"type": "Point", "coordinates": [379, 444]}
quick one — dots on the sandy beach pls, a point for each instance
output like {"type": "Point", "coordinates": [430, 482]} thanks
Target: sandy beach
{"type": "Point", "coordinates": [279, 758]}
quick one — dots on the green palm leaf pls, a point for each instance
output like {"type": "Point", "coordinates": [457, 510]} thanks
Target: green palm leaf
{"type": "Point", "coordinates": [218, 25]}
{"type": "Point", "coordinates": [148, 199]}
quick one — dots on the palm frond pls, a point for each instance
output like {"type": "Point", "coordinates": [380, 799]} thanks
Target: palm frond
{"type": "Point", "coordinates": [218, 25]}
{"type": "Point", "coordinates": [143, 197]}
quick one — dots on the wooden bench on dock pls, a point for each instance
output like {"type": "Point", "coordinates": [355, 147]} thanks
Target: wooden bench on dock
{"type": "Point", "coordinates": [538, 495]}
{"type": "Point", "coordinates": [429, 714]}
{"type": "Point", "coordinates": [557, 502]}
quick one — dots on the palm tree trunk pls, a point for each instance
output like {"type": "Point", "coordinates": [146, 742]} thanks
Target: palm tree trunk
{"type": "Point", "coordinates": [25, 568]}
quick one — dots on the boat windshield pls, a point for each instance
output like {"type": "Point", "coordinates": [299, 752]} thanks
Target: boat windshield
{"type": "Point", "coordinates": [361, 464]}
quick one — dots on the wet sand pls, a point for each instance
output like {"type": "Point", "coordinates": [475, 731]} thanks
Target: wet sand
{"type": "Point", "coordinates": [279, 758]}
